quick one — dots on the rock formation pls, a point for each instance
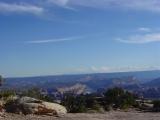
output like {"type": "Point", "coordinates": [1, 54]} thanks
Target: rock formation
{"type": "Point", "coordinates": [27, 105]}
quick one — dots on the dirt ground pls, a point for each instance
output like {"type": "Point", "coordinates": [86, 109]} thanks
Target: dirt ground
{"type": "Point", "coordinates": [114, 115]}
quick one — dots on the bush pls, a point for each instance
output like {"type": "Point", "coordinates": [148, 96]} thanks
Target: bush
{"type": "Point", "coordinates": [113, 98]}
{"type": "Point", "coordinates": [74, 104]}
{"type": "Point", "coordinates": [1, 80]}
{"type": "Point", "coordinates": [33, 92]}
{"type": "Point", "coordinates": [112, 95]}
{"type": "Point", "coordinates": [92, 103]}
{"type": "Point", "coordinates": [156, 106]}
{"type": "Point", "coordinates": [12, 107]}
{"type": "Point", "coordinates": [126, 100]}
{"type": "Point", "coordinates": [36, 93]}
{"type": "Point", "coordinates": [4, 94]}
{"type": "Point", "coordinates": [81, 103]}
{"type": "Point", "coordinates": [118, 98]}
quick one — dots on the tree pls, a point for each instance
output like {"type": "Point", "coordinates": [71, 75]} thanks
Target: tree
{"type": "Point", "coordinates": [7, 93]}
{"type": "Point", "coordinates": [126, 100]}
{"type": "Point", "coordinates": [74, 104]}
{"type": "Point", "coordinates": [112, 95]}
{"type": "Point", "coordinates": [119, 98]}
{"type": "Point", "coordinates": [92, 103]}
{"type": "Point", "coordinates": [1, 80]}
{"type": "Point", "coordinates": [36, 93]}
{"type": "Point", "coordinates": [156, 106]}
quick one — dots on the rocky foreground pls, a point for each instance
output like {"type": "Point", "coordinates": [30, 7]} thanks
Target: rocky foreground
{"type": "Point", "coordinates": [114, 115]}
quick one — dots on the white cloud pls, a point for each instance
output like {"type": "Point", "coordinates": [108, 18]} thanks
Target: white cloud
{"type": "Point", "coordinates": [59, 2]}
{"type": "Point", "coordinates": [149, 5]}
{"type": "Point", "coordinates": [105, 69]}
{"type": "Point", "coordinates": [39, 6]}
{"type": "Point", "coordinates": [135, 68]}
{"type": "Point", "coordinates": [100, 69]}
{"type": "Point", "coordinates": [52, 40]}
{"type": "Point", "coordinates": [62, 3]}
{"type": "Point", "coordinates": [144, 29]}
{"type": "Point", "coordinates": [139, 39]}
{"type": "Point", "coordinates": [20, 8]}
{"type": "Point", "coordinates": [112, 69]}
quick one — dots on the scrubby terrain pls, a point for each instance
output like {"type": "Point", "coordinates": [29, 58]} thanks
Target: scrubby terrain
{"type": "Point", "coordinates": [116, 115]}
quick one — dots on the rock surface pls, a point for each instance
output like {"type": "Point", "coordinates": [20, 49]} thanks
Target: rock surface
{"type": "Point", "coordinates": [27, 105]}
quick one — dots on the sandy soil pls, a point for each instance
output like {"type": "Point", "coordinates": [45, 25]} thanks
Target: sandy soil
{"type": "Point", "coordinates": [134, 115]}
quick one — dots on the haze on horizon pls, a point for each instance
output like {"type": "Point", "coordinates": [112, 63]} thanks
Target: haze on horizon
{"type": "Point", "coordinates": [47, 37]}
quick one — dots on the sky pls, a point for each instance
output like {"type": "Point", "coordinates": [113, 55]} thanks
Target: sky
{"type": "Point", "coordinates": [52, 37]}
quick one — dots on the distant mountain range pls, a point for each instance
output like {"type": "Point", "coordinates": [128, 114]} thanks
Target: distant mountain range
{"type": "Point", "coordinates": [139, 81]}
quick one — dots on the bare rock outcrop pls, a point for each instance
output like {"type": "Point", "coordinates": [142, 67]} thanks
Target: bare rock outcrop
{"type": "Point", "coordinates": [27, 105]}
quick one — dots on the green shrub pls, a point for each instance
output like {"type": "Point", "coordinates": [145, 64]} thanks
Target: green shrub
{"type": "Point", "coordinates": [74, 104]}
{"type": "Point", "coordinates": [12, 107]}
{"type": "Point", "coordinates": [36, 93]}
{"type": "Point", "coordinates": [156, 103]}
{"type": "Point", "coordinates": [1, 80]}
{"type": "Point", "coordinates": [112, 95]}
{"type": "Point", "coordinates": [92, 103]}
{"type": "Point", "coordinates": [4, 94]}
{"type": "Point", "coordinates": [156, 106]}
{"type": "Point", "coordinates": [113, 98]}
{"type": "Point", "coordinates": [118, 98]}
{"type": "Point", "coordinates": [126, 100]}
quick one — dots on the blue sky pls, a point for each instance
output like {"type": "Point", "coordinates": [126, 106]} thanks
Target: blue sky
{"type": "Point", "coordinates": [47, 37]}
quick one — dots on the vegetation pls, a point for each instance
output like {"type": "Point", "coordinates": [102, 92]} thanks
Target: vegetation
{"type": "Point", "coordinates": [6, 96]}
{"type": "Point", "coordinates": [1, 80]}
{"type": "Point", "coordinates": [156, 106]}
{"type": "Point", "coordinates": [36, 93]}
{"type": "Point", "coordinates": [74, 104]}
{"type": "Point", "coordinates": [92, 103]}
{"type": "Point", "coordinates": [113, 98]}
{"type": "Point", "coordinates": [12, 107]}
{"type": "Point", "coordinates": [7, 93]}
{"type": "Point", "coordinates": [119, 98]}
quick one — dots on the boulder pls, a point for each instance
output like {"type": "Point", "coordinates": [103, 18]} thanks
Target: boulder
{"type": "Point", "coordinates": [27, 105]}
